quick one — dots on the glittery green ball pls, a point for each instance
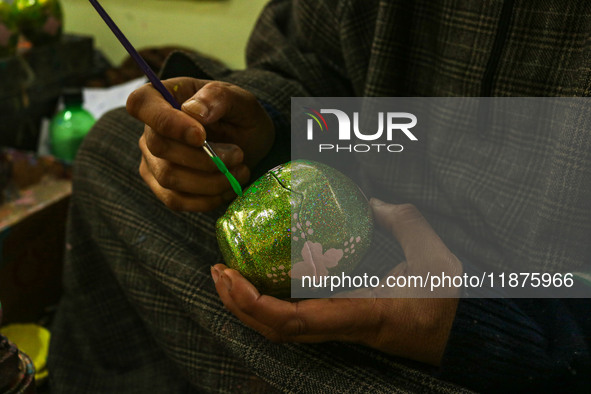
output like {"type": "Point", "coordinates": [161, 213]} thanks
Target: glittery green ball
{"type": "Point", "coordinates": [301, 218]}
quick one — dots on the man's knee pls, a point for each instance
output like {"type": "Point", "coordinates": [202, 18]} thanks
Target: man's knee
{"type": "Point", "coordinates": [113, 139]}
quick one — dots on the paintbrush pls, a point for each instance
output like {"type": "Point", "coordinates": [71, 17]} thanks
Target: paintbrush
{"type": "Point", "coordinates": [162, 89]}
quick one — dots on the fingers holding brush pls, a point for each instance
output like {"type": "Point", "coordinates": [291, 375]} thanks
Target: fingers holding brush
{"type": "Point", "coordinates": [183, 188]}
{"type": "Point", "coordinates": [174, 164]}
{"type": "Point", "coordinates": [157, 105]}
{"type": "Point", "coordinates": [233, 115]}
{"type": "Point", "coordinates": [147, 105]}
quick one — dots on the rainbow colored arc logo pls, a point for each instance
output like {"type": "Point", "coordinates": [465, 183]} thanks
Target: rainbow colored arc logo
{"type": "Point", "coordinates": [317, 117]}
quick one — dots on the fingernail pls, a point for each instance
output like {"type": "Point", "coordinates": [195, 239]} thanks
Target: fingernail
{"type": "Point", "coordinates": [376, 202]}
{"type": "Point", "coordinates": [195, 107]}
{"type": "Point", "coordinates": [215, 274]}
{"type": "Point", "coordinates": [226, 281]}
{"type": "Point", "coordinates": [224, 152]}
{"type": "Point", "coordinates": [193, 136]}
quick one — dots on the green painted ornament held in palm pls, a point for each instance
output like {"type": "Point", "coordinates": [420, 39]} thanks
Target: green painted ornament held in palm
{"type": "Point", "coordinates": [300, 219]}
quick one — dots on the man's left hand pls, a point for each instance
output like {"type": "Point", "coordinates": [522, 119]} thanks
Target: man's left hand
{"type": "Point", "coordinates": [415, 328]}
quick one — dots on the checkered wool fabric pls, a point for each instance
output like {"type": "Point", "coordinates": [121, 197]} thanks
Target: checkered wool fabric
{"type": "Point", "coordinates": [140, 314]}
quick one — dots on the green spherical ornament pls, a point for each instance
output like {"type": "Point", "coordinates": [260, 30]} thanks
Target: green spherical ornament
{"type": "Point", "coordinates": [301, 218]}
{"type": "Point", "coordinates": [8, 28]}
{"type": "Point", "coordinates": [41, 21]}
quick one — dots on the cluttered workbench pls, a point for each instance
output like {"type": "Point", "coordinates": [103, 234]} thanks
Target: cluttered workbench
{"type": "Point", "coordinates": [35, 186]}
{"type": "Point", "coordinates": [32, 228]}
{"type": "Point", "coordinates": [45, 77]}
{"type": "Point", "coordinates": [47, 81]}
{"type": "Point", "coordinates": [34, 190]}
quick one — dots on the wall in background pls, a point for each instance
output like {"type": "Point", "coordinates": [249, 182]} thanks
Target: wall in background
{"type": "Point", "coordinates": [216, 28]}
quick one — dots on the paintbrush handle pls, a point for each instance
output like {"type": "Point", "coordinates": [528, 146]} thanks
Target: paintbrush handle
{"type": "Point", "coordinates": [158, 85]}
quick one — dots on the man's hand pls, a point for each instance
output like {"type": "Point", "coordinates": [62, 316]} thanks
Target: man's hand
{"type": "Point", "coordinates": [174, 165]}
{"type": "Point", "coordinates": [416, 328]}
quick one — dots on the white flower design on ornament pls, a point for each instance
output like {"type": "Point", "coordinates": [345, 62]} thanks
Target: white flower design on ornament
{"type": "Point", "coordinates": [299, 231]}
{"type": "Point", "coordinates": [315, 262]}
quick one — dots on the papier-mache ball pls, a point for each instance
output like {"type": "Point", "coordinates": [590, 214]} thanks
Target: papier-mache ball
{"type": "Point", "coordinates": [300, 219]}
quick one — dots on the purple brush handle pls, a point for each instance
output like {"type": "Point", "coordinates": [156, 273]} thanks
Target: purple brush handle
{"type": "Point", "coordinates": [135, 55]}
{"type": "Point", "coordinates": [160, 87]}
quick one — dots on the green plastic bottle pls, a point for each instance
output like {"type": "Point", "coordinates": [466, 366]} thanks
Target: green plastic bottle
{"type": "Point", "coordinates": [69, 126]}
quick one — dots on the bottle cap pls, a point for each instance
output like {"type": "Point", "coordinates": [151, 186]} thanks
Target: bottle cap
{"type": "Point", "coordinates": [72, 96]}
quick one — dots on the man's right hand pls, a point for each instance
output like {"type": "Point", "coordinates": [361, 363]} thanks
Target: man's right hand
{"type": "Point", "coordinates": [174, 164]}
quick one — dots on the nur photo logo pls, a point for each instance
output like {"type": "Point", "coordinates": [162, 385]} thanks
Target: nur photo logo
{"type": "Point", "coordinates": [389, 124]}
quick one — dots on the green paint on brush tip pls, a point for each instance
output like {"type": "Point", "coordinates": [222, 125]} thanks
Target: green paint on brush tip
{"type": "Point", "coordinates": [233, 181]}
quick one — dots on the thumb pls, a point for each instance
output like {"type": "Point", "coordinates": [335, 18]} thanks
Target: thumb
{"type": "Point", "coordinates": [217, 100]}
{"type": "Point", "coordinates": [410, 228]}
